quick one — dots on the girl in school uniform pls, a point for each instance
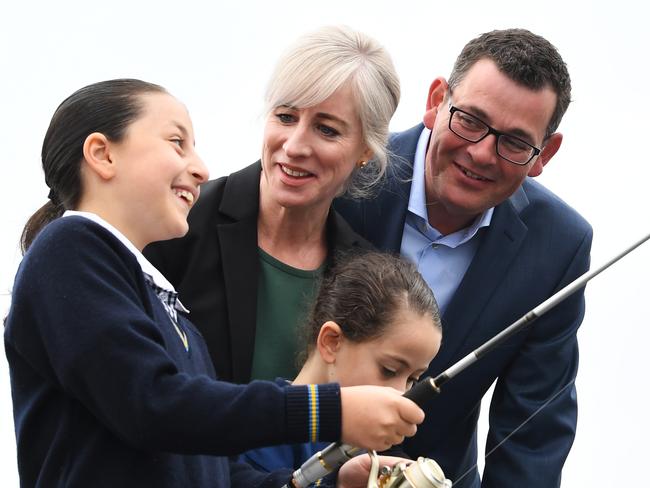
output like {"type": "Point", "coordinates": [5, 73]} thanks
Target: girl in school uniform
{"type": "Point", "coordinates": [111, 383]}
{"type": "Point", "coordinates": [374, 321]}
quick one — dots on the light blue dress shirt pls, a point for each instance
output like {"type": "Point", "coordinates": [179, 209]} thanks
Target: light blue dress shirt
{"type": "Point", "coordinates": [441, 259]}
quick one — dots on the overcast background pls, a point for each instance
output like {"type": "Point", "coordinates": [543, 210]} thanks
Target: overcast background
{"type": "Point", "coordinates": [216, 59]}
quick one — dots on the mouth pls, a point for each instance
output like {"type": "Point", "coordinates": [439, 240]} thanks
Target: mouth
{"type": "Point", "coordinates": [186, 195]}
{"type": "Point", "coordinates": [294, 172]}
{"type": "Point", "coordinates": [470, 174]}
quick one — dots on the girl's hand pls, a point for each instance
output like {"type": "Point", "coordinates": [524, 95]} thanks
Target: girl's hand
{"type": "Point", "coordinates": [377, 417]}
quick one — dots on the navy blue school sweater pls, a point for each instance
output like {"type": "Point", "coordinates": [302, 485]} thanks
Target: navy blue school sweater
{"type": "Point", "coordinates": [292, 456]}
{"type": "Point", "coordinates": [105, 393]}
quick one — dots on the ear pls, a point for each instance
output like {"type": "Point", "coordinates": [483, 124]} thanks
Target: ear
{"type": "Point", "coordinates": [329, 341]}
{"type": "Point", "coordinates": [437, 93]}
{"type": "Point", "coordinates": [552, 146]}
{"type": "Point", "coordinates": [367, 155]}
{"type": "Point", "coordinates": [96, 151]}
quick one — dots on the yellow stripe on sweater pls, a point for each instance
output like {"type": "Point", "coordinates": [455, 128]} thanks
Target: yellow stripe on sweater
{"type": "Point", "coordinates": [313, 411]}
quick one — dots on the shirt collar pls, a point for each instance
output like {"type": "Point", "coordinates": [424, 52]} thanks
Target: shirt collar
{"type": "Point", "coordinates": [147, 268]}
{"type": "Point", "coordinates": [417, 198]}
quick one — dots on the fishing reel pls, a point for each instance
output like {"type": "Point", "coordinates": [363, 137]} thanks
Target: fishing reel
{"type": "Point", "coordinates": [423, 473]}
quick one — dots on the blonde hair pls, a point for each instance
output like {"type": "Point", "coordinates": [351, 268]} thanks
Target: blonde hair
{"type": "Point", "coordinates": [322, 62]}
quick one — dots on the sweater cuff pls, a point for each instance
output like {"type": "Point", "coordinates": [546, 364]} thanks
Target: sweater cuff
{"type": "Point", "coordinates": [313, 413]}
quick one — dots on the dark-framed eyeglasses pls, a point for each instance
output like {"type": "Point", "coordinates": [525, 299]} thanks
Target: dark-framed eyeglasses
{"type": "Point", "coordinates": [472, 129]}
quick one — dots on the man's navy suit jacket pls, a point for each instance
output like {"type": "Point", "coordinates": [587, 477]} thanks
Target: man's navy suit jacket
{"type": "Point", "coordinates": [535, 245]}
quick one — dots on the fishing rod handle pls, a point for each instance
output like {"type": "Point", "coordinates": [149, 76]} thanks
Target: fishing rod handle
{"type": "Point", "coordinates": [423, 391]}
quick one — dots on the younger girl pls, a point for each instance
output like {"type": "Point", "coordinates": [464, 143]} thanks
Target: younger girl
{"type": "Point", "coordinates": [111, 384]}
{"type": "Point", "coordinates": [374, 322]}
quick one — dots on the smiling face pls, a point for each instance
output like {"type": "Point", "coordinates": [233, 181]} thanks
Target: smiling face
{"type": "Point", "coordinates": [464, 179]}
{"type": "Point", "coordinates": [397, 358]}
{"type": "Point", "coordinates": [157, 172]}
{"type": "Point", "coordinates": [310, 153]}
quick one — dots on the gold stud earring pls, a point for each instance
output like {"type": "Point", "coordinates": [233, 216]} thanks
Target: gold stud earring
{"type": "Point", "coordinates": [362, 164]}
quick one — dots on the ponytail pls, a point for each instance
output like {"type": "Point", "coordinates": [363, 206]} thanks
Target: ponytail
{"type": "Point", "coordinates": [43, 216]}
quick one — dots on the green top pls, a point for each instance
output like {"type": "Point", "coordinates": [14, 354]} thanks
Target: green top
{"type": "Point", "coordinates": [284, 297]}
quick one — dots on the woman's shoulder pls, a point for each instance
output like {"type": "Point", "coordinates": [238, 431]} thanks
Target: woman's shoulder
{"type": "Point", "coordinates": [341, 236]}
{"type": "Point", "coordinates": [233, 197]}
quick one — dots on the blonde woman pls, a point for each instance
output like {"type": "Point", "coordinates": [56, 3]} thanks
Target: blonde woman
{"type": "Point", "coordinates": [261, 238]}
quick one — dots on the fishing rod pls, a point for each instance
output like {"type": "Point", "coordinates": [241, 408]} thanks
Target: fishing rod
{"type": "Point", "coordinates": [336, 454]}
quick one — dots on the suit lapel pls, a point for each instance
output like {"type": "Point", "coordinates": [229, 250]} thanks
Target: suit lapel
{"type": "Point", "coordinates": [499, 246]}
{"type": "Point", "coordinates": [238, 243]}
{"type": "Point", "coordinates": [384, 218]}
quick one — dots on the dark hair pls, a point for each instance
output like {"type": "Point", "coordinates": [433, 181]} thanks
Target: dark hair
{"type": "Point", "coordinates": [526, 58]}
{"type": "Point", "coordinates": [108, 107]}
{"type": "Point", "coordinates": [363, 292]}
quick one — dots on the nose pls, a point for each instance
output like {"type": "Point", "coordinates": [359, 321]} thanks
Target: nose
{"type": "Point", "coordinates": [198, 169]}
{"type": "Point", "coordinates": [297, 143]}
{"type": "Point", "coordinates": [484, 151]}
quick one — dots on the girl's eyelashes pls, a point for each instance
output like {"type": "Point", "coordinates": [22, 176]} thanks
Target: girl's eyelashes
{"type": "Point", "coordinates": [178, 141]}
{"type": "Point", "coordinates": [387, 372]}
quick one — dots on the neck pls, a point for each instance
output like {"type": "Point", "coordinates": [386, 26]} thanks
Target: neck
{"type": "Point", "coordinates": [442, 218]}
{"type": "Point", "coordinates": [312, 372]}
{"type": "Point", "coordinates": [444, 222]}
{"type": "Point", "coordinates": [115, 218]}
{"type": "Point", "coordinates": [294, 235]}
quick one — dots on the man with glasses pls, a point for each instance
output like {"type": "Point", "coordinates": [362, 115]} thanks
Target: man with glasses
{"type": "Point", "coordinates": [492, 243]}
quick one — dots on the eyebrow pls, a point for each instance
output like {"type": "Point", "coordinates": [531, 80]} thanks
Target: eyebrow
{"type": "Point", "coordinates": [326, 116]}
{"type": "Point", "coordinates": [180, 127]}
{"type": "Point", "coordinates": [516, 132]}
{"type": "Point", "coordinates": [403, 362]}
